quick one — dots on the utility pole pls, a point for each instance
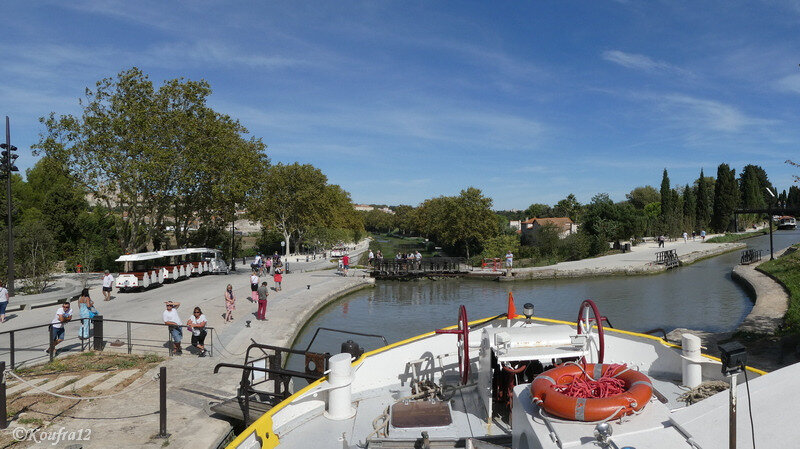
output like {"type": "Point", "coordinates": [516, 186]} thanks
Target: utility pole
{"type": "Point", "coordinates": [8, 167]}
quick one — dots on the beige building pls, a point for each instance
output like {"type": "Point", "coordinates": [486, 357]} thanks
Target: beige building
{"type": "Point", "coordinates": [564, 225]}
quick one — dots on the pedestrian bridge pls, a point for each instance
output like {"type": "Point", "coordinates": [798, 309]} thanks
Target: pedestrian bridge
{"type": "Point", "coordinates": [412, 268]}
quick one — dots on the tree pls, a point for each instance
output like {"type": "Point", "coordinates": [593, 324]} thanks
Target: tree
{"type": "Point", "coordinates": [726, 198]}
{"type": "Point", "coordinates": [689, 208]}
{"type": "Point", "coordinates": [642, 196]}
{"type": "Point", "coordinates": [149, 153]}
{"type": "Point", "coordinates": [666, 197]}
{"type": "Point", "coordinates": [404, 219]}
{"type": "Point", "coordinates": [291, 198]}
{"type": "Point", "coordinates": [704, 205]}
{"type": "Point", "coordinates": [753, 185]}
{"type": "Point", "coordinates": [537, 210]}
{"type": "Point", "coordinates": [470, 220]}
{"type": "Point", "coordinates": [568, 207]}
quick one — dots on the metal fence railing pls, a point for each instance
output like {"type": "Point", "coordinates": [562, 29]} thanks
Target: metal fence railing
{"type": "Point", "coordinates": [750, 255]}
{"type": "Point", "coordinates": [28, 345]}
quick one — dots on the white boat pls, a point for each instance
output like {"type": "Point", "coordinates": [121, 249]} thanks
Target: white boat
{"type": "Point", "coordinates": [787, 222]}
{"type": "Point", "coordinates": [491, 385]}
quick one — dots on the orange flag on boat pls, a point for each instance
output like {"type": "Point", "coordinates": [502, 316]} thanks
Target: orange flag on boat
{"type": "Point", "coordinates": [512, 310]}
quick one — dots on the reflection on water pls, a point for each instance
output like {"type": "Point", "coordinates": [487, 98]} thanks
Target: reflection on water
{"type": "Point", "coordinates": [700, 296]}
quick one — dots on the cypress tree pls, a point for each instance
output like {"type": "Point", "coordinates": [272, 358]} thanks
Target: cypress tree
{"type": "Point", "coordinates": [793, 198]}
{"type": "Point", "coordinates": [726, 198]}
{"type": "Point", "coordinates": [703, 215]}
{"type": "Point", "coordinates": [689, 208]}
{"type": "Point", "coordinates": [666, 205]}
{"type": "Point", "coordinates": [753, 186]}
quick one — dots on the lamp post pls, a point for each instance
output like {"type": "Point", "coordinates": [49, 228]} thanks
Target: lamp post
{"type": "Point", "coordinates": [771, 255]}
{"type": "Point", "coordinates": [8, 158]}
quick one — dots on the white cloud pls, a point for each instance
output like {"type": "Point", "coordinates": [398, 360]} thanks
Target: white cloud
{"type": "Point", "coordinates": [711, 114]}
{"type": "Point", "coordinates": [789, 83]}
{"type": "Point", "coordinates": [642, 62]}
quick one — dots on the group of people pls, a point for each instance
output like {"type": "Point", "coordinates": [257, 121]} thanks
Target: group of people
{"type": "Point", "coordinates": [263, 264]}
{"type": "Point", "coordinates": [196, 324]}
{"type": "Point", "coordinates": [661, 239]}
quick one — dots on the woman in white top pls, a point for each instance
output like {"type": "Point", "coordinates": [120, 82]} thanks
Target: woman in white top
{"type": "Point", "coordinates": [197, 323]}
{"type": "Point", "coordinates": [254, 287]}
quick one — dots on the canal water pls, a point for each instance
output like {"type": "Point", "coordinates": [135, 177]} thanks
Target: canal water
{"type": "Point", "coordinates": [699, 296]}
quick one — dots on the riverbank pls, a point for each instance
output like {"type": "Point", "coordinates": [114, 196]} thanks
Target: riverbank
{"type": "Point", "coordinates": [640, 260]}
{"type": "Point", "coordinates": [758, 331]}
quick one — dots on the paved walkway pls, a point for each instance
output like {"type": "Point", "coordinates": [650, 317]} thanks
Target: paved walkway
{"type": "Point", "coordinates": [640, 260]}
{"type": "Point", "coordinates": [131, 420]}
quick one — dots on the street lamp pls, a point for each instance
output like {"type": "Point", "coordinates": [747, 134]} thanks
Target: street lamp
{"type": "Point", "coordinates": [771, 255]}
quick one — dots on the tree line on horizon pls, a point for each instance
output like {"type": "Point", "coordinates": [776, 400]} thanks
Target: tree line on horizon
{"type": "Point", "coordinates": [466, 224]}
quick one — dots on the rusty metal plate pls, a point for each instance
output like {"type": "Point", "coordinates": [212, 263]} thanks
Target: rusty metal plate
{"type": "Point", "coordinates": [421, 414]}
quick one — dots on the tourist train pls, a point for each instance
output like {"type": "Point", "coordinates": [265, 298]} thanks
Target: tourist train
{"type": "Point", "coordinates": [525, 382]}
{"type": "Point", "coordinates": [146, 270]}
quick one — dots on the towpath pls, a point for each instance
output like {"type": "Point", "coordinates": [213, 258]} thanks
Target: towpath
{"type": "Point", "coordinates": [640, 260]}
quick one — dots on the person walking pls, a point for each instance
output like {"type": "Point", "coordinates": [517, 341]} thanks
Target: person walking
{"type": "Point", "coordinates": [254, 287]}
{"type": "Point", "coordinates": [268, 265]}
{"type": "Point", "coordinates": [197, 324]}
{"type": "Point", "coordinates": [345, 264]}
{"type": "Point", "coordinates": [509, 261]}
{"type": "Point", "coordinates": [3, 301]}
{"type": "Point", "coordinates": [370, 257]}
{"type": "Point", "coordinates": [703, 235]}
{"type": "Point", "coordinates": [230, 303]}
{"type": "Point", "coordinates": [108, 282]}
{"type": "Point", "coordinates": [278, 278]}
{"type": "Point", "coordinates": [171, 318]}
{"type": "Point", "coordinates": [685, 237]}
{"type": "Point", "coordinates": [85, 304]}
{"type": "Point", "coordinates": [63, 315]}
{"type": "Point", "coordinates": [263, 293]}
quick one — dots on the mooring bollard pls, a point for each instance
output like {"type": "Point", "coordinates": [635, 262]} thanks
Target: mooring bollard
{"type": "Point", "coordinates": [98, 332]}
{"type": "Point", "coordinates": [162, 403]}
{"type": "Point", "coordinates": [3, 415]}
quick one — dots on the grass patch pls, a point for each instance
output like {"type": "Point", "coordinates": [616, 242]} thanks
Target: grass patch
{"type": "Point", "coordinates": [735, 237]}
{"type": "Point", "coordinates": [91, 361]}
{"type": "Point", "coordinates": [35, 421]}
{"type": "Point", "coordinates": [786, 270]}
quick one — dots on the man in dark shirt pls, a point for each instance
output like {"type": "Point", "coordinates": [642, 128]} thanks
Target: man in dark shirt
{"type": "Point", "coordinates": [263, 292]}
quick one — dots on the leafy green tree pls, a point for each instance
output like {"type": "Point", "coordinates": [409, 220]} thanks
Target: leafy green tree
{"type": "Point", "coordinates": [404, 219]}
{"type": "Point", "coordinates": [149, 153]}
{"type": "Point", "coordinates": [642, 196]}
{"type": "Point", "coordinates": [726, 198]}
{"type": "Point", "coordinates": [460, 222]}
{"type": "Point", "coordinates": [568, 207]}
{"type": "Point", "coordinates": [537, 210]}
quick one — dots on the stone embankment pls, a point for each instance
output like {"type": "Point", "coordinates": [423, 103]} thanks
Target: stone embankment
{"type": "Point", "coordinates": [767, 350]}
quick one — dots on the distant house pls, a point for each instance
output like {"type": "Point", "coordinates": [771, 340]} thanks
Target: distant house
{"type": "Point", "coordinates": [530, 227]}
{"type": "Point", "coordinates": [364, 207]}
{"type": "Point", "coordinates": [515, 224]}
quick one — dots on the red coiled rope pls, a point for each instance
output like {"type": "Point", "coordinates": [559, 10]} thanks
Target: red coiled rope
{"type": "Point", "coordinates": [583, 386]}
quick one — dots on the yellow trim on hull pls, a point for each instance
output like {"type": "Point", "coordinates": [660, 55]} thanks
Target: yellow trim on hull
{"type": "Point", "coordinates": [269, 440]}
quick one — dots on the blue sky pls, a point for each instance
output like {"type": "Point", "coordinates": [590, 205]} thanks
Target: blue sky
{"type": "Point", "coordinates": [403, 101]}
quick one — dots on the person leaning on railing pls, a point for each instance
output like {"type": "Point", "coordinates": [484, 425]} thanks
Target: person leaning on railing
{"type": "Point", "coordinates": [63, 315]}
{"type": "Point", "coordinates": [172, 319]}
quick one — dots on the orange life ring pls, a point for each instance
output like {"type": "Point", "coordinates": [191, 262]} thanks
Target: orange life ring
{"type": "Point", "coordinates": [638, 390]}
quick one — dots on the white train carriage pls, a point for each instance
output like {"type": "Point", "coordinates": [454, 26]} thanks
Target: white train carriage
{"type": "Point", "coordinates": [145, 270]}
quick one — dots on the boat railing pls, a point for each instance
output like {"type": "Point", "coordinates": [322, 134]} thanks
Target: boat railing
{"type": "Point", "coordinates": [264, 380]}
{"type": "Point", "coordinates": [341, 331]}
